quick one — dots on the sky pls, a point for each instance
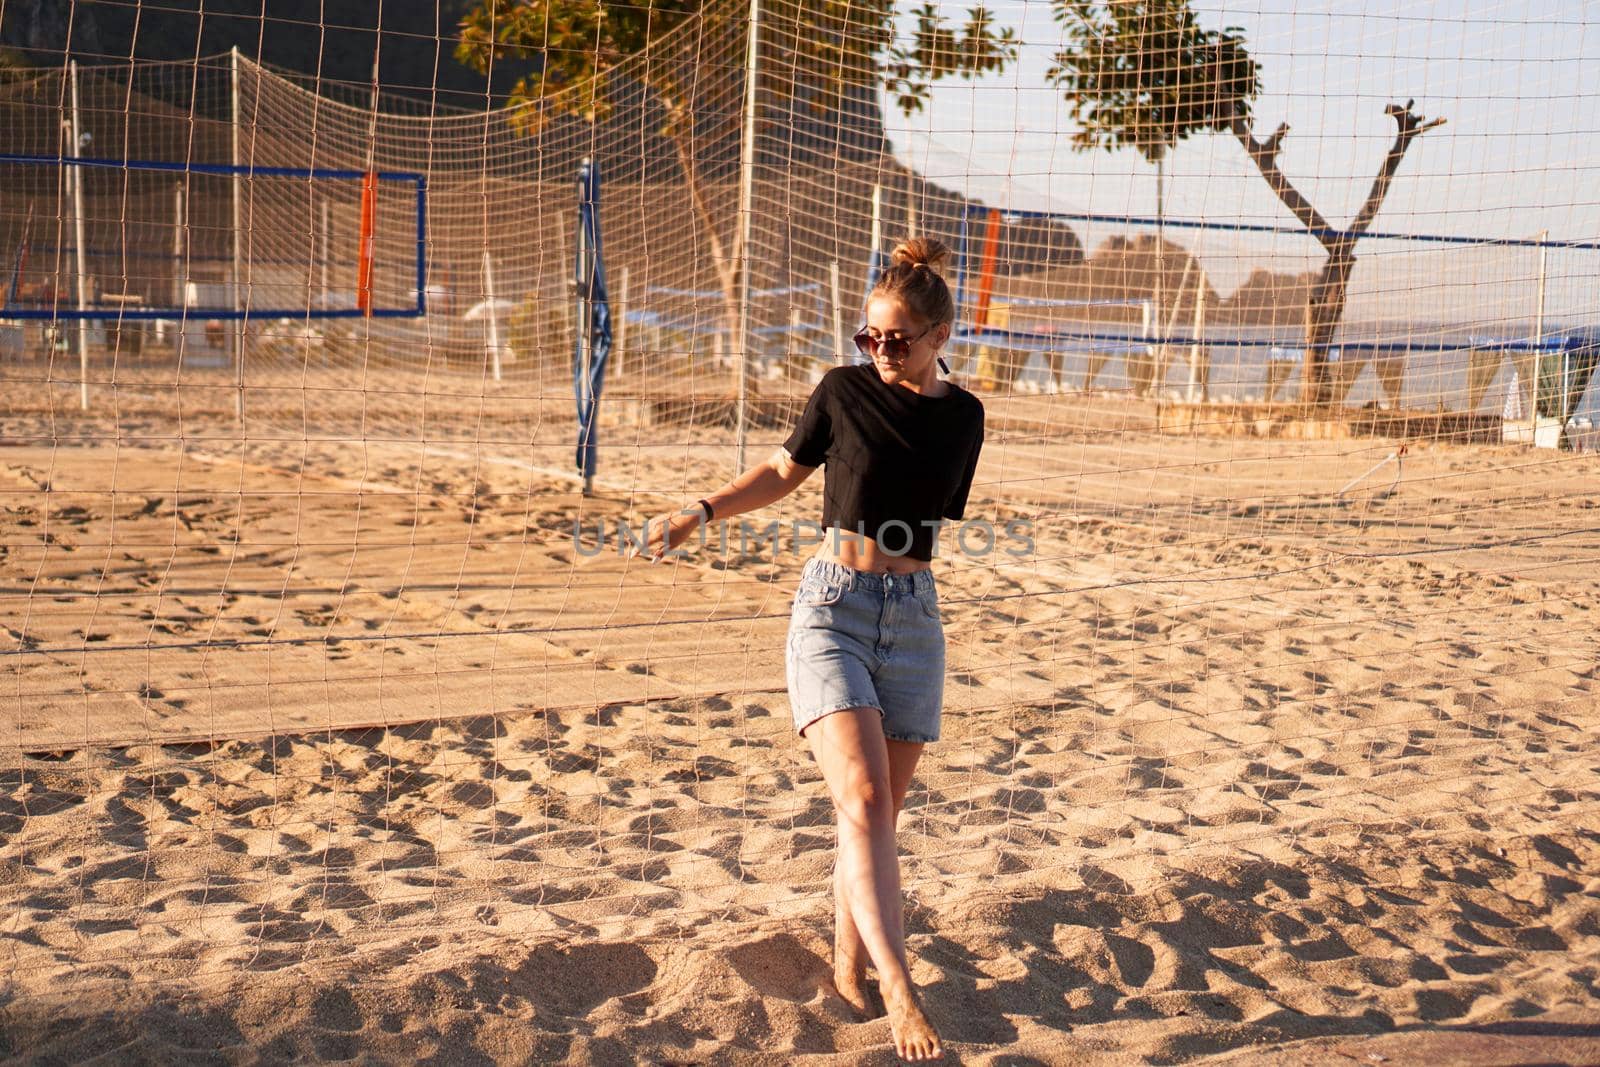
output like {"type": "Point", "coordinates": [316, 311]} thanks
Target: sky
{"type": "Point", "coordinates": [1517, 83]}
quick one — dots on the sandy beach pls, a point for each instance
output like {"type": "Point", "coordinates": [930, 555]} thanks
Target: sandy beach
{"type": "Point", "coordinates": [322, 739]}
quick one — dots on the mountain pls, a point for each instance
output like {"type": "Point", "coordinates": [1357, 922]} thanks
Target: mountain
{"type": "Point", "coordinates": [335, 40]}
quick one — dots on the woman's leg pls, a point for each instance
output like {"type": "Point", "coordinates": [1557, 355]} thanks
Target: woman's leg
{"type": "Point", "coordinates": [849, 954]}
{"type": "Point", "coordinates": [854, 757]}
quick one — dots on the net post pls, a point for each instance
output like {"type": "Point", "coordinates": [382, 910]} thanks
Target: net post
{"type": "Point", "coordinates": [1158, 377]}
{"type": "Point", "coordinates": [961, 260]}
{"type": "Point", "coordinates": [236, 270]}
{"type": "Point", "coordinates": [838, 309]}
{"type": "Point", "coordinates": [569, 322]}
{"type": "Point", "coordinates": [619, 327]}
{"type": "Point", "coordinates": [747, 168]}
{"type": "Point", "coordinates": [364, 249]}
{"type": "Point", "coordinates": [877, 229]}
{"type": "Point", "coordinates": [1536, 351]}
{"type": "Point", "coordinates": [78, 239]}
{"type": "Point", "coordinates": [494, 314]}
{"type": "Point", "coordinates": [1522, 397]}
{"type": "Point", "coordinates": [422, 244]}
{"type": "Point", "coordinates": [986, 269]}
{"type": "Point", "coordinates": [178, 234]}
{"type": "Point", "coordinates": [1160, 279]}
{"type": "Point", "coordinates": [1199, 373]}
{"type": "Point", "coordinates": [323, 249]}
{"type": "Point", "coordinates": [911, 204]}
{"type": "Point", "coordinates": [587, 264]}
{"type": "Point", "coordinates": [789, 352]}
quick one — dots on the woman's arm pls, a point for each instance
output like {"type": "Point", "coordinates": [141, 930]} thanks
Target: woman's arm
{"type": "Point", "coordinates": [757, 487]}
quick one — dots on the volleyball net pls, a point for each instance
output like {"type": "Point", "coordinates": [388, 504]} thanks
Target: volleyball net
{"type": "Point", "coordinates": [300, 586]}
{"type": "Point", "coordinates": [246, 194]}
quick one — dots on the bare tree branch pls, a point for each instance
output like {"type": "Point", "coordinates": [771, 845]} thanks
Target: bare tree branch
{"type": "Point", "coordinates": [1264, 154]}
{"type": "Point", "coordinates": [1328, 295]}
{"type": "Point", "coordinates": [1132, 68]}
{"type": "Point", "coordinates": [1270, 145]}
{"type": "Point", "coordinates": [1409, 126]}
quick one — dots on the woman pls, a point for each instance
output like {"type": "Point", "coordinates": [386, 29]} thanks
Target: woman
{"type": "Point", "coordinates": [865, 659]}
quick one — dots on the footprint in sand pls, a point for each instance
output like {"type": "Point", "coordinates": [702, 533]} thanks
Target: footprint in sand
{"type": "Point", "coordinates": [781, 967]}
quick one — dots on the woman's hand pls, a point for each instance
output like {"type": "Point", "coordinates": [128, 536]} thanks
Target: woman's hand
{"type": "Point", "coordinates": [755, 488]}
{"type": "Point", "coordinates": [666, 532]}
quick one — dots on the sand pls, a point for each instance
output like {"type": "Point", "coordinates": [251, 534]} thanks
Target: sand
{"type": "Point", "coordinates": [323, 740]}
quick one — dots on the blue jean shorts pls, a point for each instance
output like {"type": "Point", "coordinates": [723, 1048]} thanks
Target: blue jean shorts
{"type": "Point", "coordinates": [864, 640]}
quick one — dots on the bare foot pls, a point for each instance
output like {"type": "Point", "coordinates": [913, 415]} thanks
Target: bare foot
{"type": "Point", "coordinates": [914, 1036]}
{"type": "Point", "coordinates": [849, 980]}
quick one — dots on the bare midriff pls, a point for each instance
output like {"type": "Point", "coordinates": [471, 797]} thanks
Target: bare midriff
{"type": "Point", "coordinates": [862, 553]}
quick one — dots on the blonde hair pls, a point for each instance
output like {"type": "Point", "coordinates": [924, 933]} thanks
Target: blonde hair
{"type": "Point", "coordinates": [912, 278]}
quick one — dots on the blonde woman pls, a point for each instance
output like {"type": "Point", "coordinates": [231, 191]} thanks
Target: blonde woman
{"type": "Point", "coordinates": [865, 657]}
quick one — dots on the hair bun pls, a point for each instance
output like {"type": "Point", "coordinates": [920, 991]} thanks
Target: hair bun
{"type": "Point", "coordinates": [913, 280]}
{"type": "Point", "coordinates": [925, 252]}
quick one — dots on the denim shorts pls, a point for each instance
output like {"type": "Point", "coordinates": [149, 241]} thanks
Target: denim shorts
{"type": "Point", "coordinates": [864, 640]}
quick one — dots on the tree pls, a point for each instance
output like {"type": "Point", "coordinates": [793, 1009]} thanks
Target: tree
{"type": "Point", "coordinates": [13, 65]}
{"type": "Point", "coordinates": [1144, 74]}
{"type": "Point", "coordinates": [696, 49]}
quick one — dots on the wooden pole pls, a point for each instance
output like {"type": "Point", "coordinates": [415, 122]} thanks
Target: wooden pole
{"type": "Point", "coordinates": [877, 224]}
{"type": "Point", "coordinates": [1161, 258]}
{"type": "Point", "coordinates": [494, 315]}
{"type": "Point", "coordinates": [79, 239]}
{"type": "Point", "coordinates": [619, 322]}
{"type": "Point", "coordinates": [747, 175]}
{"type": "Point", "coordinates": [789, 342]}
{"type": "Point", "coordinates": [911, 204]}
{"type": "Point", "coordinates": [838, 312]}
{"type": "Point", "coordinates": [1172, 324]}
{"type": "Point", "coordinates": [324, 250]}
{"type": "Point", "coordinates": [178, 235]}
{"type": "Point", "coordinates": [1534, 354]}
{"type": "Point", "coordinates": [236, 280]}
{"type": "Point", "coordinates": [568, 310]}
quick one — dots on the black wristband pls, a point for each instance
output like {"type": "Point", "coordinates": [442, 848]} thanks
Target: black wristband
{"type": "Point", "coordinates": [707, 505]}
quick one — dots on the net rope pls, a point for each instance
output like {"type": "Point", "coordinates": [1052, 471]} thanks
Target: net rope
{"type": "Point", "coordinates": [309, 633]}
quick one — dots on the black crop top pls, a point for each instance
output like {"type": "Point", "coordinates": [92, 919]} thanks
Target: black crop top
{"type": "Point", "coordinates": [892, 456]}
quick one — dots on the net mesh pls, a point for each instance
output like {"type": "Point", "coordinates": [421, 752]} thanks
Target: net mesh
{"type": "Point", "coordinates": [310, 637]}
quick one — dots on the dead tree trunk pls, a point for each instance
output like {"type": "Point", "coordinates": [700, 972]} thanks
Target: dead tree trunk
{"type": "Point", "coordinates": [1322, 319]}
{"type": "Point", "coordinates": [1327, 301]}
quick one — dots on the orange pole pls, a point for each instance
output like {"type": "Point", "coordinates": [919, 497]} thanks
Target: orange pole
{"type": "Point", "coordinates": [991, 255]}
{"type": "Point", "coordinates": [369, 218]}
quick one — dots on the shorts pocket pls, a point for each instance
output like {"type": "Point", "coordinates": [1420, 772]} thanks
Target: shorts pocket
{"type": "Point", "coordinates": [818, 593]}
{"type": "Point", "coordinates": [930, 604]}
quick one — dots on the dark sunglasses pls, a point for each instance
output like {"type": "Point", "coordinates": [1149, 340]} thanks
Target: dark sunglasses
{"type": "Point", "coordinates": [893, 347]}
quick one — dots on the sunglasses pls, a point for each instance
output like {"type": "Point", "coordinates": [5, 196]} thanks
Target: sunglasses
{"type": "Point", "coordinates": [893, 347]}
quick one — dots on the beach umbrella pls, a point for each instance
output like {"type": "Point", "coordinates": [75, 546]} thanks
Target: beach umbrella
{"type": "Point", "coordinates": [594, 320]}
